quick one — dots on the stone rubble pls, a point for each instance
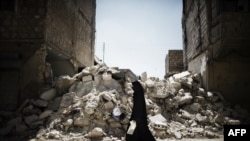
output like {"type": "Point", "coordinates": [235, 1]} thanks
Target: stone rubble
{"type": "Point", "coordinates": [96, 104]}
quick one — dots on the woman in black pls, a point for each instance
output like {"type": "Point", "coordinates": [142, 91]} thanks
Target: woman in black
{"type": "Point", "coordinates": [139, 117]}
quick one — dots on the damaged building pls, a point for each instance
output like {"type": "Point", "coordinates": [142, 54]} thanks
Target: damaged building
{"type": "Point", "coordinates": [173, 62]}
{"type": "Point", "coordinates": [41, 40]}
{"type": "Point", "coordinates": [216, 42]}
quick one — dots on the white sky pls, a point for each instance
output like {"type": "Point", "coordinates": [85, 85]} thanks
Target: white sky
{"type": "Point", "coordinates": [138, 33]}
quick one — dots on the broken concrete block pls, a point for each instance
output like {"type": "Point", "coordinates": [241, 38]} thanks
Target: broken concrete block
{"type": "Point", "coordinates": [63, 83]}
{"type": "Point", "coordinates": [129, 76]}
{"type": "Point", "coordinates": [119, 75]}
{"type": "Point", "coordinates": [54, 134]}
{"type": "Point", "coordinates": [178, 76]}
{"type": "Point", "coordinates": [30, 119]}
{"type": "Point", "coordinates": [162, 134]}
{"type": "Point", "coordinates": [106, 85]}
{"type": "Point", "coordinates": [200, 118]}
{"type": "Point", "coordinates": [68, 122]}
{"type": "Point", "coordinates": [144, 77]}
{"type": "Point", "coordinates": [197, 77]}
{"type": "Point", "coordinates": [201, 92]}
{"type": "Point", "coordinates": [48, 94]}
{"type": "Point", "coordinates": [87, 78]}
{"type": "Point", "coordinates": [181, 92]}
{"type": "Point", "coordinates": [197, 130]}
{"type": "Point", "coordinates": [177, 135]}
{"type": "Point", "coordinates": [150, 83]}
{"type": "Point", "coordinates": [90, 108]}
{"type": "Point", "coordinates": [108, 105]}
{"type": "Point", "coordinates": [101, 123]}
{"type": "Point", "coordinates": [31, 109]}
{"type": "Point", "coordinates": [201, 100]}
{"type": "Point", "coordinates": [81, 74]}
{"type": "Point", "coordinates": [106, 76]}
{"type": "Point", "coordinates": [193, 124]}
{"type": "Point", "coordinates": [113, 70]}
{"type": "Point", "coordinates": [187, 82]}
{"type": "Point", "coordinates": [118, 113]}
{"type": "Point", "coordinates": [40, 133]}
{"type": "Point", "coordinates": [209, 95]}
{"type": "Point", "coordinates": [186, 115]}
{"type": "Point", "coordinates": [219, 118]}
{"type": "Point", "coordinates": [210, 134]}
{"type": "Point", "coordinates": [184, 99]}
{"type": "Point", "coordinates": [170, 103]}
{"type": "Point", "coordinates": [96, 132]}
{"type": "Point", "coordinates": [54, 104]}
{"type": "Point", "coordinates": [67, 100]}
{"type": "Point", "coordinates": [195, 107]}
{"type": "Point", "coordinates": [81, 122]}
{"type": "Point", "coordinates": [81, 88]}
{"type": "Point", "coordinates": [158, 122]}
{"type": "Point", "coordinates": [93, 69]}
{"type": "Point", "coordinates": [115, 124]}
{"type": "Point", "coordinates": [215, 98]}
{"type": "Point", "coordinates": [45, 114]}
{"type": "Point", "coordinates": [175, 85]}
{"type": "Point", "coordinates": [160, 90]}
{"type": "Point", "coordinates": [233, 122]}
{"type": "Point", "coordinates": [40, 103]}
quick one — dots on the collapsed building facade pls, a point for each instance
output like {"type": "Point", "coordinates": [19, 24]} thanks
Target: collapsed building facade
{"type": "Point", "coordinates": [216, 44]}
{"type": "Point", "coordinates": [41, 40]}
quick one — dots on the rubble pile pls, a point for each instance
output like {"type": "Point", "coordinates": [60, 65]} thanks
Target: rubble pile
{"type": "Point", "coordinates": [97, 104]}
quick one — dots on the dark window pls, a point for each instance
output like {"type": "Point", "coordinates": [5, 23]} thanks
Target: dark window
{"type": "Point", "coordinates": [219, 6]}
{"type": "Point", "coordinates": [7, 5]}
{"type": "Point", "coordinates": [229, 6]}
{"type": "Point", "coordinates": [243, 5]}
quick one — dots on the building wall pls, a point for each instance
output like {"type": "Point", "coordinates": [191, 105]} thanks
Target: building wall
{"type": "Point", "coordinates": [21, 35]}
{"type": "Point", "coordinates": [195, 28]}
{"type": "Point", "coordinates": [229, 57]}
{"type": "Point", "coordinates": [25, 21]}
{"type": "Point", "coordinates": [40, 36]}
{"type": "Point", "coordinates": [216, 44]}
{"type": "Point", "coordinates": [195, 23]}
{"type": "Point", "coordinates": [70, 29]}
{"type": "Point", "coordinates": [174, 61]}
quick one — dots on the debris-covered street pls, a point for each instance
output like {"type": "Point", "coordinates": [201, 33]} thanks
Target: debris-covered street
{"type": "Point", "coordinates": [96, 104]}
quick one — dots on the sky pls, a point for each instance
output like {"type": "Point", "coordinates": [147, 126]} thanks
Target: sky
{"type": "Point", "coordinates": [137, 34]}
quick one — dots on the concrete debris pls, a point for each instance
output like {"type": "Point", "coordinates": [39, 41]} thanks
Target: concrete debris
{"type": "Point", "coordinates": [48, 94]}
{"type": "Point", "coordinates": [40, 103]}
{"type": "Point", "coordinates": [177, 135]}
{"type": "Point", "coordinates": [195, 107]}
{"type": "Point", "coordinates": [97, 104]}
{"type": "Point", "coordinates": [45, 114]}
{"type": "Point", "coordinates": [150, 83]}
{"type": "Point", "coordinates": [181, 75]}
{"type": "Point", "coordinates": [183, 99]}
{"type": "Point", "coordinates": [96, 132]}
